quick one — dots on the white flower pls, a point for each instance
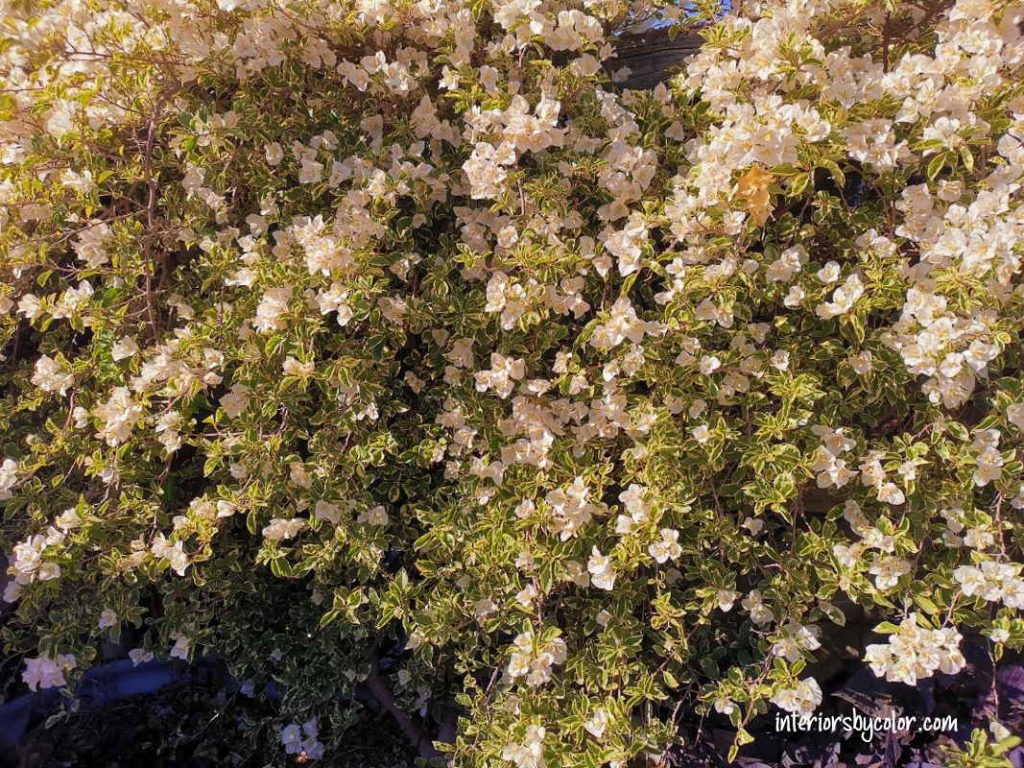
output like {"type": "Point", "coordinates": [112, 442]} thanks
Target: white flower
{"type": "Point", "coordinates": [829, 273]}
{"type": "Point", "coordinates": [281, 529]}
{"type": "Point", "coordinates": [310, 171]}
{"type": "Point", "coordinates": [888, 570]}
{"type": "Point", "coordinates": [571, 508]}
{"type": "Point", "coordinates": [485, 169]}
{"type": "Point", "coordinates": [709, 364]}
{"type": "Point", "coordinates": [374, 516]}
{"type": "Point", "coordinates": [913, 653]}
{"type": "Point", "coordinates": [297, 368]}
{"type": "Point", "coordinates": [667, 547]}
{"type": "Point", "coordinates": [623, 324]}
{"type": "Point", "coordinates": [172, 552]}
{"type": "Point", "coordinates": [504, 371]}
{"type": "Point", "coordinates": [802, 699]}
{"type": "Point", "coordinates": [794, 297]}
{"type": "Point", "coordinates": [754, 605]}
{"type": "Point", "coordinates": [325, 510]}
{"type": "Point", "coordinates": [140, 656]}
{"type": "Point", "coordinates": [533, 659]}
{"type": "Point", "coordinates": [701, 433]}
{"type": "Point", "coordinates": [598, 723]}
{"type": "Point", "coordinates": [754, 525]}
{"type": "Point", "coordinates": [235, 401]}
{"type": "Point", "coordinates": [108, 618]}
{"type": "Point", "coordinates": [987, 456]}
{"type": "Point", "coordinates": [8, 478]}
{"type": "Point", "coordinates": [60, 121]}
{"type": "Point", "coordinates": [302, 739]}
{"type": "Point", "coordinates": [794, 639]}
{"type": "Point", "coordinates": [12, 592]}
{"type": "Point", "coordinates": [862, 363]}
{"type": "Point", "coordinates": [529, 753]}
{"type": "Point", "coordinates": [90, 245]}
{"type": "Point", "coordinates": [890, 493]}
{"type": "Point", "coordinates": [181, 648]}
{"type": "Point", "coordinates": [119, 414]}
{"type": "Point", "coordinates": [44, 672]}
{"type": "Point", "coordinates": [999, 635]}
{"type": "Point", "coordinates": [602, 572]}
{"type": "Point", "coordinates": [972, 581]}
{"type": "Point", "coordinates": [1015, 415]}
{"type": "Point", "coordinates": [50, 376]}
{"type": "Point", "coordinates": [783, 269]}
{"type": "Point", "coordinates": [124, 348]}
{"type": "Point", "coordinates": [274, 153]}
{"type": "Point", "coordinates": [725, 706]}
{"type": "Point", "coordinates": [291, 738]}
{"type": "Point", "coordinates": [726, 598]}
{"type": "Point", "coordinates": [843, 298]}
{"type": "Point", "coordinates": [626, 245]}
{"type": "Point", "coordinates": [271, 309]}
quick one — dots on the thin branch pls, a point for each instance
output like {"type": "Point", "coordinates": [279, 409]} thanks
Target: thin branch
{"type": "Point", "coordinates": [420, 740]}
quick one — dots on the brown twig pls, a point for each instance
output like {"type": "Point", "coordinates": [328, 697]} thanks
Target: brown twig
{"type": "Point", "coordinates": [419, 739]}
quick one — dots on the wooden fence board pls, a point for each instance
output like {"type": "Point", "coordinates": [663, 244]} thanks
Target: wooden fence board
{"type": "Point", "coordinates": [652, 57]}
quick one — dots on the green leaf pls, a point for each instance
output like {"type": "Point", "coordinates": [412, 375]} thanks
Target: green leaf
{"type": "Point", "coordinates": [935, 166]}
{"type": "Point", "coordinates": [967, 158]}
{"type": "Point", "coordinates": [800, 184]}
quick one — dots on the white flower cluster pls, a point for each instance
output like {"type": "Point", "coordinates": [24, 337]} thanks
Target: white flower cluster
{"type": "Point", "coordinates": [27, 562]}
{"type": "Point", "coordinates": [501, 376]}
{"type": "Point", "coordinates": [529, 752]}
{"type": "Point", "coordinates": [974, 232]}
{"type": "Point", "coordinates": [182, 647]}
{"type": "Point", "coordinates": [755, 606]}
{"type": "Point", "coordinates": [377, 515]}
{"type": "Point", "coordinates": [843, 298]}
{"type": "Point", "coordinates": [949, 349]}
{"type": "Point", "coordinates": [120, 415]}
{"type": "Point", "coordinates": [993, 582]}
{"type": "Point", "coordinates": [637, 507]}
{"type": "Point", "coordinates": [282, 529]}
{"type": "Point", "coordinates": [173, 552]}
{"type": "Point", "coordinates": [301, 739]}
{"type": "Point", "coordinates": [601, 569]}
{"type": "Point", "coordinates": [886, 567]}
{"type": "Point", "coordinates": [571, 508]}
{"type": "Point", "coordinates": [44, 672]}
{"type": "Point", "coordinates": [8, 478]}
{"type": "Point", "coordinates": [485, 169]}
{"type": "Point", "coordinates": [873, 475]}
{"type": "Point", "coordinates": [623, 324]}
{"type": "Point", "coordinates": [581, 284]}
{"type": "Point", "coordinates": [794, 639]}
{"type": "Point", "coordinates": [532, 658]}
{"type": "Point", "coordinates": [801, 699]}
{"type": "Point", "coordinates": [51, 376]}
{"type": "Point", "coordinates": [91, 244]}
{"type": "Point", "coordinates": [272, 308]}
{"type": "Point", "coordinates": [914, 653]}
{"type": "Point", "coordinates": [667, 547]}
{"type": "Point", "coordinates": [832, 471]}
{"type": "Point", "coordinates": [975, 531]}
{"type": "Point", "coordinates": [987, 457]}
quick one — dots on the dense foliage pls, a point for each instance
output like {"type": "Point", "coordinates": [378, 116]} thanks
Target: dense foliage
{"type": "Point", "coordinates": [333, 328]}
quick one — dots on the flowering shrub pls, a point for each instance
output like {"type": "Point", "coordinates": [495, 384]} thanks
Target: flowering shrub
{"type": "Point", "coordinates": [334, 328]}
